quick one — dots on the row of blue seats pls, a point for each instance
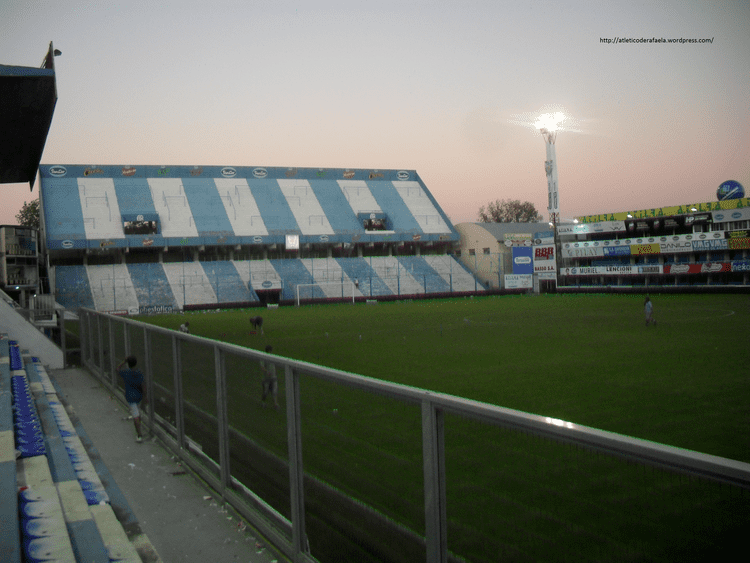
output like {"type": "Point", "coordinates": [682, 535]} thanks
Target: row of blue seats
{"type": "Point", "coordinates": [29, 435]}
{"type": "Point", "coordinates": [50, 490]}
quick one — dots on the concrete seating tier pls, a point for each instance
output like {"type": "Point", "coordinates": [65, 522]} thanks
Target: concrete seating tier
{"type": "Point", "coordinates": [50, 491]}
{"type": "Point", "coordinates": [177, 285]}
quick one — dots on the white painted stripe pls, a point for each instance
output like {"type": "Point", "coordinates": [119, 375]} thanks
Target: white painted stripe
{"type": "Point", "coordinates": [7, 447]}
{"type": "Point", "coordinates": [74, 505]}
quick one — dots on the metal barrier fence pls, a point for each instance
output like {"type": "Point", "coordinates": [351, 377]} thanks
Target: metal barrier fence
{"type": "Point", "coordinates": [396, 473]}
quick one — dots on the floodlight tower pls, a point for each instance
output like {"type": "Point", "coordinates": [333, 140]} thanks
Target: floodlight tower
{"type": "Point", "coordinates": [548, 125]}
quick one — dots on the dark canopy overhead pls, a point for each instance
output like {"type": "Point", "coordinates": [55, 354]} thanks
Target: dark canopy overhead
{"type": "Point", "coordinates": [27, 97]}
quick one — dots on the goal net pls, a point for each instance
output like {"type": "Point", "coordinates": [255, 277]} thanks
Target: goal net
{"type": "Point", "coordinates": [329, 290]}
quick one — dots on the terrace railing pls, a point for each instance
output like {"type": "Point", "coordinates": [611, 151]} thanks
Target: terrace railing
{"type": "Point", "coordinates": [396, 473]}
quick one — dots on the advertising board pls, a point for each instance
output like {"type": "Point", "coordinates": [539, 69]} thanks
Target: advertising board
{"type": "Point", "coordinates": [518, 281]}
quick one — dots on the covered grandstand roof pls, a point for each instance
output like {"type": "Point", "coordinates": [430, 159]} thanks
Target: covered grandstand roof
{"type": "Point", "coordinates": [95, 206]}
{"type": "Point", "coordinates": [28, 96]}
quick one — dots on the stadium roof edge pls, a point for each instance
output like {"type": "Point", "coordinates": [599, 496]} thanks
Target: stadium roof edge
{"type": "Point", "coordinates": [28, 97]}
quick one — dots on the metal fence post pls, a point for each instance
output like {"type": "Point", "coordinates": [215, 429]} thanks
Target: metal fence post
{"type": "Point", "coordinates": [101, 344]}
{"type": "Point", "coordinates": [179, 420]}
{"type": "Point", "coordinates": [83, 335]}
{"type": "Point", "coordinates": [112, 359]}
{"type": "Point", "coordinates": [148, 374]}
{"type": "Point", "coordinates": [90, 338]}
{"type": "Point", "coordinates": [222, 417]}
{"type": "Point", "coordinates": [296, 472]}
{"type": "Point", "coordinates": [61, 328]}
{"type": "Point", "coordinates": [126, 339]}
{"type": "Point", "coordinates": [433, 455]}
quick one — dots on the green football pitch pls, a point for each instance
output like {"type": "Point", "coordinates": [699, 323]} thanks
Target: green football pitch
{"type": "Point", "coordinates": [587, 359]}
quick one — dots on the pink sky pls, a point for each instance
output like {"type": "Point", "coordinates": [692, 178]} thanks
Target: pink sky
{"type": "Point", "coordinates": [425, 85]}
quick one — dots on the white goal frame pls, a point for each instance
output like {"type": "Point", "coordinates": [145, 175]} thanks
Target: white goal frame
{"type": "Point", "coordinates": [341, 284]}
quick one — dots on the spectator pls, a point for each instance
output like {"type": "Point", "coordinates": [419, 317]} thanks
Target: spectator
{"type": "Point", "coordinates": [270, 381]}
{"type": "Point", "coordinates": [134, 392]}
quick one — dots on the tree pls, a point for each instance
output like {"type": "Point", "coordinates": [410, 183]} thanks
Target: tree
{"type": "Point", "coordinates": [29, 214]}
{"type": "Point", "coordinates": [509, 211]}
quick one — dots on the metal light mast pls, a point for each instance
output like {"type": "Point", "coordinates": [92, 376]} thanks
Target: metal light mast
{"type": "Point", "coordinates": [550, 168]}
{"type": "Point", "coordinates": [548, 125]}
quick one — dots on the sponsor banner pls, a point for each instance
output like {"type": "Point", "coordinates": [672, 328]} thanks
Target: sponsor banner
{"type": "Point", "coordinates": [516, 281]}
{"type": "Point", "coordinates": [705, 268]}
{"type": "Point", "coordinates": [522, 260]}
{"type": "Point", "coordinates": [544, 259]}
{"type": "Point", "coordinates": [596, 227]}
{"type": "Point", "coordinates": [652, 245]}
{"type": "Point", "coordinates": [156, 309]}
{"type": "Point", "coordinates": [581, 250]}
{"type": "Point", "coordinates": [636, 249]}
{"type": "Point", "coordinates": [617, 251]}
{"type": "Point", "coordinates": [544, 234]}
{"type": "Point", "coordinates": [517, 239]}
{"type": "Point", "coordinates": [118, 313]}
{"type": "Point", "coordinates": [120, 171]}
{"type": "Point", "coordinates": [738, 243]}
{"type": "Point", "coordinates": [676, 247]}
{"type": "Point", "coordinates": [741, 266]}
{"type": "Point", "coordinates": [731, 215]}
{"type": "Point", "coordinates": [737, 234]}
{"type": "Point", "coordinates": [546, 275]}
{"type": "Point", "coordinates": [704, 245]}
{"type": "Point", "coordinates": [711, 206]}
{"type": "Point", "coordinates": [584, 271]}
{"type": "Point", "coordinates": [615, 270]}
{"type": "Point", "coordinates": [652, 269]}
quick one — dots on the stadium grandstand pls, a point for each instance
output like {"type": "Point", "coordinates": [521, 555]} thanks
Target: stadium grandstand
{"type": "Point", "coordinates": [140, 239]}
{"type": "Point", "coordinates": [705, 246]}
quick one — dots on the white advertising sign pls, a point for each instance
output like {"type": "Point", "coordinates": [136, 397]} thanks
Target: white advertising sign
{"type": "Point", "coordinates": [518, 281]}
{"type": "Point", "coordinates": [599, 227]}
{"type": "Point", "coordinates": [629, 270]}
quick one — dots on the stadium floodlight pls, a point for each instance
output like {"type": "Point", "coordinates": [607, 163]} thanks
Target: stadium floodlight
{"type": "Point", "coordinates": [548, 125]}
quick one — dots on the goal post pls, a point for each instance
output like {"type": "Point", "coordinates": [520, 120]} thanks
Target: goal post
{"type": "Point", "coordinates": [334, 290]}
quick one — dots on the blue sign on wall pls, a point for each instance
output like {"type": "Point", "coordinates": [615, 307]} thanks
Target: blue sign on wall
{"type": "Point", "coordinates": [522, 260]}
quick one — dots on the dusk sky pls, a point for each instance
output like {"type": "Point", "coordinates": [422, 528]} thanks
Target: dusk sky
{"type": "Point", "coordinates": [434, 86]}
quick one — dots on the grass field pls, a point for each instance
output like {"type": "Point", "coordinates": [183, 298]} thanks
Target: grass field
{"type": "Point", "coordinates": [586, 359]}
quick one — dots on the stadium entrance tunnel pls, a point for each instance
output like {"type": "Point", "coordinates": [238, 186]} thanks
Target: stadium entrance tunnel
{"type": "Point", "coordinates": [269, 297]}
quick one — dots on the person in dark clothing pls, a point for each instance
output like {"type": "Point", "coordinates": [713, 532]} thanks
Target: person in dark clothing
{"type": "Point", "coordinates": [134, 391]}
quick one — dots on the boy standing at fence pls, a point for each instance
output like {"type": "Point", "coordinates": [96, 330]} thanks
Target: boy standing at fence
{"type": "Point", "coordinates": [270, 381]}
{"type": "Point", "coordinates": [134, 392]}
